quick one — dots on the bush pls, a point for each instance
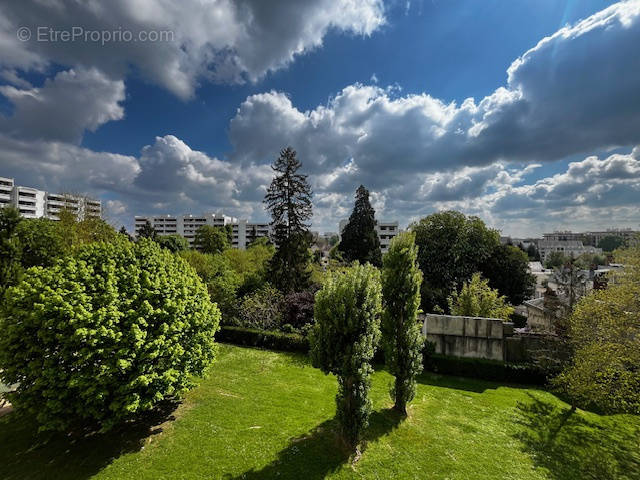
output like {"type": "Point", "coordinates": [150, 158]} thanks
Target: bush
{"type": "Point", "coordinates": [480, 368]}
{"type": "Point", "coordinates": [298, 308]}
{"type": "Point", "coordinates": [287, 342]}
{"type": "Point", "coordinates": [262, 309]}
{"type": "Point", "coordinates": [105, 334]}
{"type": "Point", "coordinates": [344, 340]}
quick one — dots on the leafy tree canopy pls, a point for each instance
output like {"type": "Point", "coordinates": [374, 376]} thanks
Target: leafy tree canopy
{"type": "Point", "coordinates": [451, 247]}
{"type": "Point", "coordinates": [477, 299]}
{"type": "Point", "coordinates": [211, 239]}
{"type": "Point", "coordinates": [507, 270]}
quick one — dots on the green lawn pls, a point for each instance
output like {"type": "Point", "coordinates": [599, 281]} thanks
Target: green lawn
{"type": "Point", "coordinates": [264, 415]}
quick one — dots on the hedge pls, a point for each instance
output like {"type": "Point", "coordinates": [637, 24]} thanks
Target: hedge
{"type": "Point", "coordinates": [272, 340]}
{"type": "Point", "coordinates": [478, 368]}
{"type": "Point", "coordinates": [484, 369]}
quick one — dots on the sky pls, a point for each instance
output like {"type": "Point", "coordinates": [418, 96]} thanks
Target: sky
{"type": "Point", "coordinates": [524, 113]}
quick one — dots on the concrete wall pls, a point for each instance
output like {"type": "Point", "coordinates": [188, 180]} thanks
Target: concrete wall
{"type": "Point", "coordinates": [467, 336]}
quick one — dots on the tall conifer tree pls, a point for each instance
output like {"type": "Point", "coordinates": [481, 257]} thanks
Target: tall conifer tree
{"type": "Point", "coordinates": [288, 199]}
{"type": "Point", "coordinates": [359, 238]}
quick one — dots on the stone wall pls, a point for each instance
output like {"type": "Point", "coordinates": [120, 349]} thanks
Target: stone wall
{"type": "Point", "coordinates": [467, 336]}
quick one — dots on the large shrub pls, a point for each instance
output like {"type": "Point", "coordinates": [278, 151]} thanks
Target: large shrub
{"type": "Point", "coordinates": [344, 339]}
{"type": "Point", "coordinates": [298, 308]}
{"type": "Point", "coordinates": [105, 334]}
{"type": "Point", "coordinates": [262, 309]}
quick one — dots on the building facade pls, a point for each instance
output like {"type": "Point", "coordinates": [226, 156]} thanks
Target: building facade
{"type": "Point", "coordinates": [385, 230]}
{"type": "Point", "coordinates": [591, 238]}
{"type": "Point", "coordinates": [566, 247]}
{"type": "Point", "coordinates": [34, 203]}
{"type": "Point", "coordinates": [243, 232]}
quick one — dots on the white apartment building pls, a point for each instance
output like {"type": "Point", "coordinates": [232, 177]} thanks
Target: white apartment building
{"type": "Point", "coordinates": [386, 231]}
{"type": "Point", "coordinates": [592, 238]}
{"type": "Point", "coordinates": [567, 247]}
{"type": "Point", "coordinates": [34, 203]}
{"type": "Point", "coordinates": [243, 232]}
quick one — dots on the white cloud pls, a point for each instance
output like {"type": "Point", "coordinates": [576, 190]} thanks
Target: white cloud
{"type": "Point", "coordinates": [64, 107]}
{"type": "Point", "coordinates": [221, 40]}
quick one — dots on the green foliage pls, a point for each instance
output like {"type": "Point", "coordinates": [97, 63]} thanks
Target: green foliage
{"type": "Point", "coordinates": [554, 260]}
{"type": "Point", "coordinates": [105, 334]}
{"type": "Point", "coordinates": [611, 243]}
{"type": "Point", "coordinates": [605, 337]}
{"type": "Point", "coordinates": [343, 342]}
{"type": "Point", "coordinates": [10, 251]}
{"type": "Point", "coordinates": [403, 341]}
{"type": "Point", "coordinates": [42, 241]}
{"type": "Point", "coordinates": [477, 299]}
{"type": "Point", "coordinates": [451, 247]}
{"type": "Point", "coordinates": [251, 265]}
{"type": "Point", "coordinates": [262, 309]}
{"type": "Point", "coordinates": [222, 282]}
{"type": "Point", "coordinates": [81, 232]}
{"type": "Point", "coordinates": [359, 237]}
{"type": "Point", "coordinates": [533, 253]}
{"type": "Point", "coordinates": [211, 239]}
{"type": "Point", "coordinates": [272, 340]}
{"type": "Point", "coordinates": [507, 270]}
{"type": "Point", "coordinates": [288, 200]}
{"type": "Point", "coordinates": [484, 369]}
{"type": "Point", "coordinates": [174, 243]}
{"type": "Point", "coordinates": [147, 231]}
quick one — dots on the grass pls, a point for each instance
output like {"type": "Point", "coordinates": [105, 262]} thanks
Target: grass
{"type": "Point", "coordinates": [263, 415]}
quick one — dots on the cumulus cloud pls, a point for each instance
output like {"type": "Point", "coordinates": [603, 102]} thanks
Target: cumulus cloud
{"type": "Point", "coordinates": [221, 40]}
{"type": "Point", "coordinates": [574, 92]}
{"type": "Point", "coordinates": [64, 107]}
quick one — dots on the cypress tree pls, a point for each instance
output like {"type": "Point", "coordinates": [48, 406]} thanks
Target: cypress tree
{"type": "Point", "coordinates": [288, 199]}
{"type": "Point", "coordinates": [359, 238]}
{"type": "Point", "coordinates": [403, 341]}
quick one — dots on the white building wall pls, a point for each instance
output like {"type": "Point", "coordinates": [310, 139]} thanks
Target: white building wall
{"type": "Point", "coordinates": [243, 232]}
{"type": "Point", "coordinates": [34, 203]}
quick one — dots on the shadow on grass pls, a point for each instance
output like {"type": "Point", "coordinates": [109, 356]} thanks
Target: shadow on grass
{"type": "Point", "coordinates": [319, 452]}
{"type": "Point", "coordinates": [458, 383]}
{"type": "Point", "coordinates": [569, 446]}
{"type": "Point", "coordinates": [25, 454]}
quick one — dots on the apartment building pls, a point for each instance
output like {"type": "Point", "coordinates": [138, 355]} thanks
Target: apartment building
{"type": "Point", "coordinates": [591, 238]}
{"type": "Point", "coordinates": [243, 232]}
{"type": "Point", "coordinates": [567, 247]}
{"type": "Point", "coordinates": [34, 203]}
{"type": "Point", "coordinates": [385, 230]}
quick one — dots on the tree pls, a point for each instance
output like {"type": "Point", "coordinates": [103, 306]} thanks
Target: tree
{"type": "Point", "coordinates": [262, 309]}
{"type": "Point", "coordinates": [42, 242]}
{"type": "Point", "coordinates": [507, 270]}
{"type": "Point", "coordinates": [147, 231]}
{"type": "Point", "coordinates": [571, 281]}
{"type": "Point", "coordinates": [403, 341]}
{"type": "Point", "coordinates": [288, 200]}
{"type": "Point", "coordinates": [251, 265]}
{"type": "Point", "coordinates": [478, 299]}
{"type": "Point", "coordinates": [222, 282]}
{"type": "Point", "coordinates": [174, 243]}
{"type": "Point", "coordinates": [211, 239]}
{"type": "Point", "coordinates": [451, 247]}
{"type": "Point", "coordinates": [10, 251]}
{"type": "Point", "coordinates": [123, 231]}
{"type": "Point", "coordinates": [554, 259]}
{"type": "Point", "coordinates": [533, 253]}
{"type": "Point", "coordinates": [90, 339]}
{"type": "Point", "coordinates": [605, 337]}
{"type": "Point", "coordinates": [360, 240]}
{"type": "Point", "coordinates": [611, 243]}
{"type": "Point", "coordinates": [344, 339]}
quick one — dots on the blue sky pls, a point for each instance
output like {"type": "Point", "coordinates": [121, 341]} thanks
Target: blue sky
{"type": "Point", "coordinates": [367, 92]}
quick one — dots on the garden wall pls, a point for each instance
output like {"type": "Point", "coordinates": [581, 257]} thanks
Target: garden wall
{"type": "Point", "coordinates": [470, 337]}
